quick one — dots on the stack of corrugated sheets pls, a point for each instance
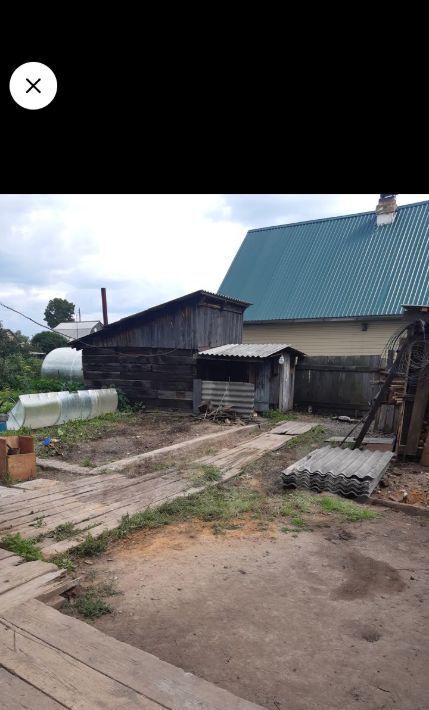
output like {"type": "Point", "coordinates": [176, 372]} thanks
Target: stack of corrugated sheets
{"type": "Point", "coordinates": [344, 471]}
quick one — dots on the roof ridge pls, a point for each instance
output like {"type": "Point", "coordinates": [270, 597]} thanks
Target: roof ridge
{"type": "Point", "coordinates": [331, 219]}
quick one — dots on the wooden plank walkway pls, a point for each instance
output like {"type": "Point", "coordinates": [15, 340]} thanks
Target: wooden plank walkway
{"type": "Point", "coordinates": [20, 581]}
{"type": "Point", "coordinates": [97, 503]}
{"type": "Point", "coordinates": [293, 428]}
{"type": "Point", "coordinates": [49, 660]}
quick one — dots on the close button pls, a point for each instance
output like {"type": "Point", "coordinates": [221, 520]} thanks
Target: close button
{"type": "Point", "coordinates": [33, 85]}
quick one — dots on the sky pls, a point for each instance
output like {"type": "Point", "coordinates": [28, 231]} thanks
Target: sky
{"type": "Point", "coordinates": [144, 249]}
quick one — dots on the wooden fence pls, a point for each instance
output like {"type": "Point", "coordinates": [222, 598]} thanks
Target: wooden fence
{"type": "Point", "coordinates": [337, 385]}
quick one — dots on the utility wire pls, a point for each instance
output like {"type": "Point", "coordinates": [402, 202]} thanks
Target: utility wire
{"type": "Point", "coordinates": [70, 337]}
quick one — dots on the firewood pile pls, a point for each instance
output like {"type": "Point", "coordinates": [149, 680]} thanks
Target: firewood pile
{"type": "Point", "coordinates": [222, 413]}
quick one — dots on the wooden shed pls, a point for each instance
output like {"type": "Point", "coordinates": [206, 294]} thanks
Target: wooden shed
{"type": "Point", "coordinates": [151, 355]}
{"type": "Point", "coordinates": [269, 367]}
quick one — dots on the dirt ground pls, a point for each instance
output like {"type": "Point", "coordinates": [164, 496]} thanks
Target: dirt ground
{"type": "Point", "coordinates": [334, 618]}
{"type": "Point", "coordinates": [407, 483]}
{"type": "Point", "coordinates": [144, 432]}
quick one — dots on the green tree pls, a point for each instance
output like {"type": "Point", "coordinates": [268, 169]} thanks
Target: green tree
{"type": "Point", "coordinates": [9, 344]}
{"type": "Point", "coordinates": [46, 341]}
{"type": "Point", "coordinates": [59, 310]}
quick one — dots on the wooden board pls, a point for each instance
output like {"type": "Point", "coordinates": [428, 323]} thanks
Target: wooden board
{"type": "Point", "coordinates": [293, 428]}
{"type": "Point", "coordinates": [86, 649]}
{"type": "Point", "coordinates": [61, 677]}
{"type": "Point", "coordinates": [11, 577]}
{"type": "Point", "coordinates": [16, 694]}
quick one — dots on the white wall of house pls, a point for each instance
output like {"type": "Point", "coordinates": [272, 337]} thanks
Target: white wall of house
{"type": "Point", "coordinates": [326, 338]}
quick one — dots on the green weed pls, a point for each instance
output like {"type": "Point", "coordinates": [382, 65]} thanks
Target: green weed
{"type": "Point", "coordinates": [65, 562]}
{"type": "Point", "coordinates": [214, 504]}
{"type": "Point", "coordinates": [345, 509]}
{"type": "Point", "coordinates": [24, 547]}
{"type": "Point", "coordinates": [64, 531]}
{"type": "Point", "coordinates": [90, 603]}
{"type": "Point", "coordinates": [205, 474]}
{"type": "Point", "coordinates": [92, 546]}
{"type": "Point", "coordinates": [312, 437]}
{"type": "Point", "coordinates": [88, 463]}
{"type": "Point", "coordinates": [39, 522]}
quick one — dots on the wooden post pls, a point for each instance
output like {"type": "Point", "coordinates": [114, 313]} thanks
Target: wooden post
{"type": "Point", "coordinates": [285, 399]}
{"type": "Point", "coordinates": [197, 395]}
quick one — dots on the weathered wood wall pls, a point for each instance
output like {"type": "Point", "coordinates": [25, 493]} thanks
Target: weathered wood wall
{"type": "Point", "coordinates": [194, 326]}
{"type": "Point", "coordinates": [337, 384]}
{"type": "Point", "coordinates": [156, 377]}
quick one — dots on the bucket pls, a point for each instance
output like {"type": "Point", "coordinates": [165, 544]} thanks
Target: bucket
{"type": "Point", "coordinates": [3, 420]}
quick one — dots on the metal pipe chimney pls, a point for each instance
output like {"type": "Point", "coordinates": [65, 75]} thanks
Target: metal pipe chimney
{"type": "Point", "coordinates": [104, 304]}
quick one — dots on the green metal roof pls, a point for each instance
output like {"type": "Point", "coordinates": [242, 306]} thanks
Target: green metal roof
{"type": "Point", "coordinates": [339, 267]}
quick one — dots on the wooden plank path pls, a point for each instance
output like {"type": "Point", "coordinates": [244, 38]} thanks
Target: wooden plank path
{"type": "Point", "coordinates": [293, 428]}
{"type": "Point", "coordinates": [98, 502]}
{"type": "Point", "coordinates": [49, 660]}
{"type": "Point", "coordinates": [20, 581]}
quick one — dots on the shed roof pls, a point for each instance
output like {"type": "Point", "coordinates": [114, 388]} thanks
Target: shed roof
{"type": "Point", "coordinates": [77, 329]}
{"type": "Point", "coordinates": [339, 267]}
{"type": "Point", "coordinates": [254, 350]}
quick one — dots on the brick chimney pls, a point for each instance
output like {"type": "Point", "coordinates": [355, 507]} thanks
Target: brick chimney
{"type": "Point", "coordinates": [386, 209]}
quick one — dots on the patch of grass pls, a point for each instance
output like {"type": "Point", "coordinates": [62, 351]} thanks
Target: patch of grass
{"type": "Point", "coordinates": [312, 437]}
{"type": "Point", "coordinates": [297, 503]}
{"type": "Point", "coordinates": [92, 546]}
{"type": "Point", "coordinates": [88, 463]}
{"type": "Point", "coordinates": [298, 522]}
{"type": "Point", "coordinates": [205, 474]}
{"type": "Point", "coordinates": [63, 532]}
{"type": "Point", "coordinates": [65, 562]}
{"type": "Point", "coordinates": [90, 603]}
{"type": "Point", "coordinates": [346, 509]}
{"type": "Point", "coordinates": [276, 417]}
{"type": "Point", "coordinates": [21, 546]}
{"type": "Point", "coordinates": [214, 504]}
{"type": "Point", "coordinates": [39, 522]}
{"type": "Point", "coordinates": [80, 430]}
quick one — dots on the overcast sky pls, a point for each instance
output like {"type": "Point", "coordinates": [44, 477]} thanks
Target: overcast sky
{"type": "Point", "coordinates": [145, 249]}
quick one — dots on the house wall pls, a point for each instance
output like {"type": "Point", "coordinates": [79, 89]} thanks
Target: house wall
{"type": "Point", "coordinates": [328, 338]}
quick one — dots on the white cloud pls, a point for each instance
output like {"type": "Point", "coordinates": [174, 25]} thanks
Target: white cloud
{"type": "Point", "coordinates": [145, 249]}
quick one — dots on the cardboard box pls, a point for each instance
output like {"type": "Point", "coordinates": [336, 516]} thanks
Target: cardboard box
{"type": "Point", "coordinates": [17, 466]}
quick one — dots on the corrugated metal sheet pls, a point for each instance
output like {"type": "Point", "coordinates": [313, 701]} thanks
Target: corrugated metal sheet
{"type": "Point", "coordinates": [239, 395]}
{"type": "Point", "coordinates": [339, 470]}
{"type": "Point", "coordinates": [78, 329]}
{"type": "Point", "coordinates": [333, 268]}
{"type": "Point", "coordinates": [256, 350]}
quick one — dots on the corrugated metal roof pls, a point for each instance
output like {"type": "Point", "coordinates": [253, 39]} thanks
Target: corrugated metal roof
{"type": "Point", "coordinates": [345, 471]}
{"type": "Point", "coordinates": [77, 329]}
{"type": "Point", "coordinates": [255, 350]}
{"type": "Point", "coordinates": [74, 324]}
{"type": "Point", "coordinates": [333, 268]}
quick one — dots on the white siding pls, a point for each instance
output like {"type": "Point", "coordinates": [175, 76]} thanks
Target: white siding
{"type": "Point", "coordinates": [329, 338]}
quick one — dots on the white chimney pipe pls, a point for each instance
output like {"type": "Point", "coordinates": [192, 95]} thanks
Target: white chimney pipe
{"type": "Point", "coordinates": [386, 209]}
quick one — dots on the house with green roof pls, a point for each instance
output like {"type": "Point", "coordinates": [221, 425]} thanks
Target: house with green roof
{"type": "Point", "coordinates": [333, 286]}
